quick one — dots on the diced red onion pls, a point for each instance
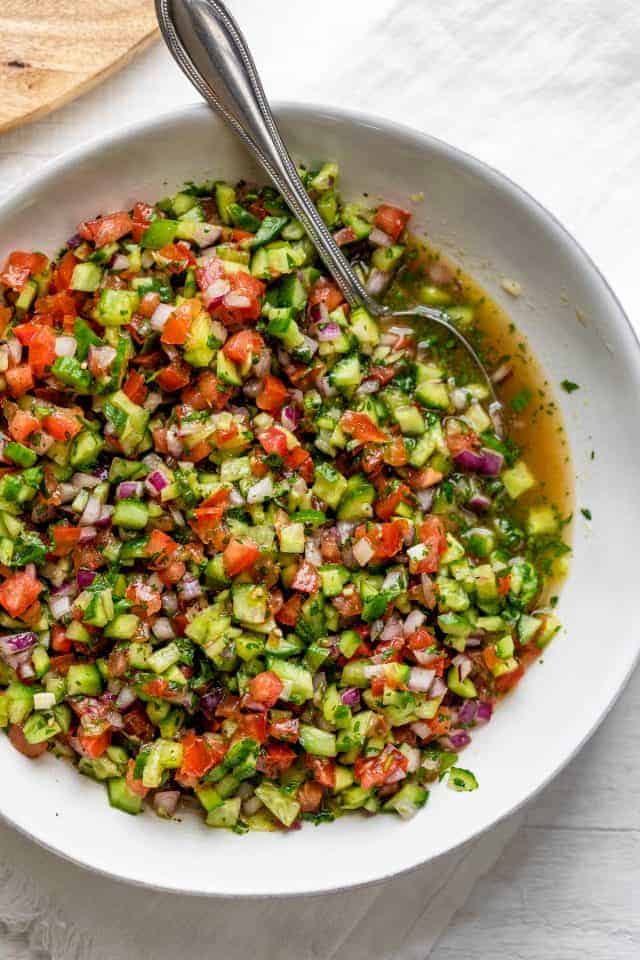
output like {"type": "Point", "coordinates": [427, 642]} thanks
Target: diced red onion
{"type": "Point", "coordinates": [328, 332]}
{"type": "Point", "coordinates": [60, 606]}
{"type": "Point", "coordinates": [120, 262]}
{"type": "Point", "coordinates": [325, 387]}
{"type": "Point", "coordinates": [425, 499]}
{"type": "Point", "coordinates": [165, 802]}
{"type": "Point", "coordinates": [174, 446]}
{"type": "Point", "coordinates": [413, 756]}
{"type": "Point", "coordinates": [438, 688]}
{"type": "Point", "coordinates": [105, 515]}
{"type": "Point", "coordinates": [392, 629]}
{"type": "Point", "coordinates": [440, 273]}
{"type": "Point", "coordinates": [345, 528]}
{"type": "Point", "coordinates": [24, 667]}
{"type": "Point", "coordinates": [235, 498]}
{"type": "Point", "coordinates": [363, 551]}
{"type": "Point", "coordinates": [426, 657]}
{"type": "Point", "coordinates": [378, 238]}
{"type": "Point", "coordinates": [487, 462]}
{"type": "Point", "coordinates": [463, 665]}
{"type": "Point", "coordinates": [84, 481]}
{"type": "Point", "coordinates": [41, 442]}
{"type": "Point", "coordinates": [176, 516]}
{"type": "Point", "coordinates": [262, 367]}
{"type": "Point", "coordinates": [260, 491]}
{"type": "Point", "coordinates": [126, 698]}
{"type": "Point", "coordinates": [372, 670]}
{"type": "Point", "coordinates": [236, 301]}
{"type": "Point", "coordinates": [396, 776]}
{"type": "Point", "coordinates": [170, 603]}
{"type": "Point", "coordinates": [152, 401]}
{"type": "Point", "coordinates": [162, 629]}
{"type": "Point", "coordinates": [495, 412]}
{"type": "Point", "coordinates": [100, 359]}
{"type": "Point", "coordinates": [457, 739]}
{"type": "Point", "coordinates": [160, 316]}
{"type": "Point", "coordinates": [467, 712]}
{"type": "Point", "coordinates": [368, 387]}
{"type": "Point", "coordinates": [420, 679]}
{"type": "Point", "coordinates": [206, 234]}
{"type": "Point", "coordinates": [129, 489]}
{"type": "Point", "coordinates": [312, 553]}
{"type": "Point", "coordinates": [421, 729]}
{"type": "Point", "coordinates": [319, 313]}
{"type": "Point", "coordinates": [15, 350]}
{"type": "Point", "coordinates": [351, 697]}
{"type": "Point", "coordinates": [484, 712]}
{"type": "Point", "coordinates": [377, 282]}
{"type": "Point", "coordinates": [190, 588]}
{"type": "Point", "coordinates": [290, 417]}
{"type": "Point", "coordinates": [85, 578]}
{"type": "Point", "coordinates": [17, 643]}
{"type": "Point", "coordinates": [156, 482]}
{"type": "Point", "coordinates": [428, 589]}
{"type": "Point", "coordinates": [216, 292]}
{"type": "Point", "coordinates": [413, 621]}
{"type": "Point", "coordinates": [310, 344]}
{"type": "Point", "coordinates": [91, 512]}
{"type": "Point", "coordinates": [65, 346]}
{"type": "Point", "coordinates": [479, 502]}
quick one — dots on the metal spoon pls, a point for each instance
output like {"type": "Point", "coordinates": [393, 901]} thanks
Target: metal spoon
{"type": "Point", "coordinates": [209, 48]}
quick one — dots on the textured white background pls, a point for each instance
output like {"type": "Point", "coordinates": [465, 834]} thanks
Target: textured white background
{"type": "Point", "coordinates": [548, 92]}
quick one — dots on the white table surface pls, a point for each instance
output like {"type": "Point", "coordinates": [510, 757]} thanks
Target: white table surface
{"type": "Point", "coordinates": [549, 92]}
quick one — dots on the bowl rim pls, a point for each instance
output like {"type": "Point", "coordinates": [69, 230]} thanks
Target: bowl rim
{"type": "Point", "coordinates": [302, 110]}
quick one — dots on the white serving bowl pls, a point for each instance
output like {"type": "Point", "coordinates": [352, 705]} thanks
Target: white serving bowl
{"type": "Point", "coordinates": [493, 229]}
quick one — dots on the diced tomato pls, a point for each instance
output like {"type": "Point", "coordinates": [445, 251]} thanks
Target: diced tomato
{"type": "Point", "coordinates": [61, 664]}
{"type": "Point", "coordinates": [387, 505]}
{"type": "Point", "coordinates": [504, 585]}
{"type": "Point", "coordinates": [60, 642]}
{"type": "Point", "coordinates": [179, 256]}
{"type": "Point", "coordinates": [459, 442]}
{"type": "Point", "coordinates": [107, 229]}
{"type": "Point", "coordinates": [94, 747]}
{"type": "Point", "coordinates": [22, 425]}
{"type": "Point", "coordinates": [420, 639]}
{"type": "Point", "coordinates": [274, 440]}
{"type": "Point", "coordinates": [273, 395]}
{"type": "Point", "coordinates": [61, 426]}
{"type": "Point", "coordinates": [175, 376]}
{"type": "Point", "coordinates": [306, 579]}
{"type": "Point", "coordinates": [176, 329]}
{"type": "Point", "coordinates": [324, 770]}
{"type": "Point", "coordinates": [157, 688]}
{"type": "Point", "coordinates": [18, 592]}
{"type": "Point", "coordinates": [345, 235]}
{"type": "Point", "coordinates": [323, 291]}
{"type": "Point", "coordinates": [310, 796]}
{"type": "Point", "coordinates": [208, 515]}
{"type": "Point", "coordinates": [362, 428]}
{"type": "Point", "coordinates": [146, 601]}
{"type": "Point", "coordinates": [277, 758]}
{"type": "Point", "coordinates": [285, 729]}
{"type": "Point", "coordinates": [172, 573]}
{"type": "Point", "coordinates": [239, 557]}
{"type": "Point", "coordinates": [395, 453]}
{"type": "Point", "coordinates": [432, 534]}
{"type": "Point", "coordinates": [64, 271]}
{"type": "Point", "coordinates": [425, 478]}
{"type": "Point", "coordinates": [22, 745]}
{"type": "Point", "coordinates": [135, 785]}
{"type": "Point", "coordinates": [508, 681]}
{"type": "Point", "coordinates": [375, 771]}
{"type": "Point", "coordinates": [241, 347]}
{"type": "Point", "coordinates": [243, 303]}
{"type": "Point", "coordinates": [42, 350]}
{"type": "Point", "coordinates": [301, 461]}
{"type": "Point", "coordinates": [19, 380]}
{"type": "Point", "coordinates": [289, 613]}
{"type": "Point", "coordinates": [383, 375]}
{"type": "Point", "coordinates": [6, 315]}
{"type": "Point", "coordinates": [209, 392]}
{"type": "Point", "coordinates": [137, 723]}
{"type": "Point", "coordinates": [135, 388]}
{"type": "Point", "coordinates": [160, 547]}
{"type": "Point", "coordinates": [266, 688]}
{"type": "Point", "coordinates": [24, 332]}
{"type": "Point", "coordinates": [392, 220]}
{"type": "Point", "coordinates": [200, 754]}
{"type": "Point", "coordinates": [253, 725]}
{"type": "Point", "coordinates": [141, 217]}
{"type": "Point", "coordinates": [20, 266]}
{"type": "Point", "coordinates": [348, 603]}
{"type": "Point", "coordinates": [440, 724]}
{"type": "Point", "coordinates": [65, 539]}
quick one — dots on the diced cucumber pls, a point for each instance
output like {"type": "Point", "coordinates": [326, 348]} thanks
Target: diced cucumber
{"type": "Point", "coordinates": [84, 678]}
{"type": "Point", "coordinates": [518, 479]}
{"type": "Point", "coordinates": [318, 742]}
{"type": "Point", "coordinates": [462, 780]}
{"type": "Point", "coordinates": [86, 277]}
{"type": "Point", "coordinates": [122, 797]}
{"type": "Point", "coordinates": [282, 806]}
{"type": "Point", "coordinates": [116, 307]}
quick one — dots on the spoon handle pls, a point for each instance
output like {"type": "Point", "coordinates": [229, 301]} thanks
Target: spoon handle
{"type": "Point", "coordinates": [210, 49]}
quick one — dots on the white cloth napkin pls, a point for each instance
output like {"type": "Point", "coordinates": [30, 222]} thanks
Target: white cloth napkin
{"type": "Point", "coordinates": [547, 91]}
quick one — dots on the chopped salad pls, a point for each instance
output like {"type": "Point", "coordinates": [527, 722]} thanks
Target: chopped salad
{"type": "Point", "coordinates": [258, 553]}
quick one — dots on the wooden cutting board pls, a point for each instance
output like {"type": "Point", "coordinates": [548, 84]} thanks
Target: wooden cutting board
{"type": "Point", "coordinates": [53, 50]}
